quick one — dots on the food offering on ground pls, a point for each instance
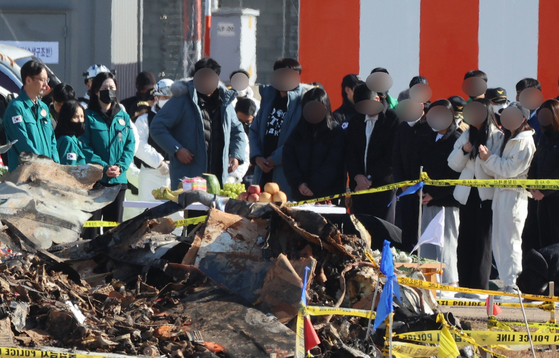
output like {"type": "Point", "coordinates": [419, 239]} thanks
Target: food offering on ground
{"type": "Point", "coordinates": [232, 190]}
{"type": "Point", "coordinates": [271, 194]}
{"type": "Point", "coordinates": [165, 193]}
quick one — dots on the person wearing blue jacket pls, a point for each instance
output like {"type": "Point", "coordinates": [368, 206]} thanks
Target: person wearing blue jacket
{"type": "Point", "coordinates": [27, 118]}
{"type": "Point", "coordinates": [108, 133]}
{"type": "Point", "coordinates": [200, 132]}
{"type": "Point", "coordinates": [280, 111]}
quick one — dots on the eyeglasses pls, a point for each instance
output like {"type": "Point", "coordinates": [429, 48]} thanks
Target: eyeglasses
{"type": "Point", "coordinates": [42, 80]}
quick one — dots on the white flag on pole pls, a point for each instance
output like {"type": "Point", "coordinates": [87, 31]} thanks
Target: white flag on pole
{"type": "Point", "coordinates": [434, 233]}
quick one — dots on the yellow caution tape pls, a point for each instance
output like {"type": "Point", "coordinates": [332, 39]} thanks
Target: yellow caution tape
{"type": "Point", "coordinates": [100, 223]}
{"type": "Point", "coordinates": [300, 336]}
{"type": "Point", "coordinates": [452, 302]}
{"type": "Point", "coordinates": [492, 320]}
{"type": "Point", "coordinates": [548, 184]}
{"type": "Point", "coordinates": [435, 286]}
{"type": "Point", "coordinates": [401, 349]}
{"type": "Point", "coordinates": [326, 311]}
{"type": "Point", "coordinates": [31, 353]}
{"type": "Point", "coordinates": [483, 338]}
{"type": "Point", "coordinates": [362, 192]}
{"type": "Point", "coordinates": [190, 221]}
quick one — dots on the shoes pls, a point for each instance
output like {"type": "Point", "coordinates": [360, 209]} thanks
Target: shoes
{"type": "Point", "coordinates": [475, 296]}
{"type": "Point", "coordinates": [459, 295]}
{"type": "Point", "coordinates": [446, 294]}
{"type": "Point", "coordinates": [508, 289]}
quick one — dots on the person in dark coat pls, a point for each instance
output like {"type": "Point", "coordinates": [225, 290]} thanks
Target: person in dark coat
{"type": "Point", "coordinates": [143, 100]}
{"type": "Point", "coordinates": [434, 143]}
{"type": "Point", "coordinates": [405, 168]}
{"type": "Point", "coordinates": [313, 155]}
{"type": "Point", "coordinates": [347, 109]}
{"type": "Point", "coordinates": [545, 165]}
{"type": "Point", "coordinates": [370, 139]}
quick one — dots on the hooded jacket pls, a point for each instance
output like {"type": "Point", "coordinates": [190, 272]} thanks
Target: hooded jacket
{"type": "Point", "coordinates": [314, 154]}
{"type": "Point", "coordinates": [258, 132]}
{"type": "Point", "coordinates": [179, 124]}
{"type": "Point", "coordinates": [515, 161]}
{"type": "Point", "coordinates": [472, 168]}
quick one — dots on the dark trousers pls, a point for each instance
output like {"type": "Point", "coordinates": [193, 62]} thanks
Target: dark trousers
{"type": "Point", "coordinates": [111, 212]}
{"type": "Point", "coordinates": [531, 233]}
{"type": "Point", "coordinates": [375, 204]}
{"type": "Point", "coordinates": [409, 209]}
{"type": "Point", "coordinates": [474, 242]}
{"type": "Point", "coordinates": [548, 220]}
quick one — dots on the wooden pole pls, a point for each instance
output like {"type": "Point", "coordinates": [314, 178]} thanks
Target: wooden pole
{"type": "Point", "coordinates": [419, 221]}
{"type": "Point", "coordinates": [552, 314]}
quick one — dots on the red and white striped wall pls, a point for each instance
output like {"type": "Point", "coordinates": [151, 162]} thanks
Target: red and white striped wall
{"type": "Point", "coordinates": [438, 39]}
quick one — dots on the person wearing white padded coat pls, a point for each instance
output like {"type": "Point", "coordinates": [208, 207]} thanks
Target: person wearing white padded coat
{"type": "Point", "coordinates": [154, 171]}
{"type": "Point", "coordinates": [474, 234]}
{"type": "Point", "coordinates": [510, 205]}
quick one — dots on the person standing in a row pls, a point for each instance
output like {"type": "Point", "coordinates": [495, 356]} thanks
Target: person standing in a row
{"type": "Point", "coordinates": [370, 139]}
{"type": "Point", "coordinates": [109, 134]}
{"type": "Point", "coordinates": [27, 118]}
{"type": "Point", "coordinates": [510, 205]}
{"type": "Point", "coordinates": [474, 238]}
{"type": "Point", "coordinates": [435, 142]}
{"type": "Point", "coordinates": [313, 155]}
{"type": "Point", "coordinates": [545, 165]}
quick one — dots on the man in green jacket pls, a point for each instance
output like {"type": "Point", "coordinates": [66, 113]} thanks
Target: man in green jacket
{"type": "Point", "coordinates": [27, 118]}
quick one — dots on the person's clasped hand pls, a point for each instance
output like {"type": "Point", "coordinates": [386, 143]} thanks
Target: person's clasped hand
{"type": "Point", "coordinates": [362, 182]}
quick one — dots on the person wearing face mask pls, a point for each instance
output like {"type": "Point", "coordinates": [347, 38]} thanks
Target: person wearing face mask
{"type": "Point", "coordinates": [109, 134]}
{"type": "Point", "coordinates": [545, 166]}
{"type": "Point", "coordinates": [474, 237]}
{"type": "Point", "coordinates": [404, 168]}
{"type": "Point", "coordinates": [499, 101]}
{"type": "Point", "coordinates": [458, 104]}
{"type": "Point", "coordinates": [313, 155]}
{"type": "Point", "coordinates": [154, 161]}
{"type": "Point", "coordinates": [510, 206]}
{"type": "Point", "coordinates": [26, 118]}
{"type": "Point", "coordinates": [71, 126]}
{"type": "Point", "coordinates": [435, 141]}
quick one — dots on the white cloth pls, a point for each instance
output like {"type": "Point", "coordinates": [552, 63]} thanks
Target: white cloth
{"type": "Point", "coordinates": [371, 121]}
{"type": "Point", "coordinates": [446, 254]}
{"type": "Point", "coordinates": [145, 151]}
{"type": "Point", "coordinates": [510, 205]}
{"type": "Point", "coordinates": [249, 94]}
{"type": "Point", "coordinates": [434, 232]}
{"type": "Point", "coordinates": [472, 168]}
{"type": "Point", "coordinates": [242, 169]}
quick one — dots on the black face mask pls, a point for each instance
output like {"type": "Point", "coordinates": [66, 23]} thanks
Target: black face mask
{"type": "Point", "coordinates": [77, 128]}
{"type": "Point", "coordinates": [107, 96]}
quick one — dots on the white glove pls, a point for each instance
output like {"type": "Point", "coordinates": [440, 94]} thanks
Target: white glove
{"type": "Point", "coordinates": [163, 168]}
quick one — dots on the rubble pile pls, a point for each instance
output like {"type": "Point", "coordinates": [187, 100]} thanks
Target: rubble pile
{"type": "Point", "coordinates": [231, 287]}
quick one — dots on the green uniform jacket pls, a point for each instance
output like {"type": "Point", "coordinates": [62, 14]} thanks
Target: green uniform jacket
{"type": "Point", "coordinates": [113, 143]}
{"type": "Point", "coordinates": [30, 125]}
{"type": "Point", "coordinates": [73, 151]}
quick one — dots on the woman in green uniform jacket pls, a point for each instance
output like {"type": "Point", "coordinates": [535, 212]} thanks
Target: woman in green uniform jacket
{"type": "Point", "coordinates": [70, 127]}
{"type": "Point", "coordinates": [108, 132]}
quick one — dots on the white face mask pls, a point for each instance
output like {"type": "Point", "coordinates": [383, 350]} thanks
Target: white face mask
{"type": "Point", "coordinates": [162, 102]}
{"type": "Point", "coordinates": [498, 107]}
{"type": "Point", "coordinates": [242, 93]}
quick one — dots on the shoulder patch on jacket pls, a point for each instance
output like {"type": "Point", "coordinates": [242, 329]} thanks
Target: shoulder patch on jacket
{"type": "Point", "coordinates": [17, 119]}
{"type": "Point", "coordinates": [71, 156]}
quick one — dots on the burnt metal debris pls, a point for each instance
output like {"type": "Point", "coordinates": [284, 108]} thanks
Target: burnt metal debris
{"type": "Point", "coordinates": [228, 288]}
